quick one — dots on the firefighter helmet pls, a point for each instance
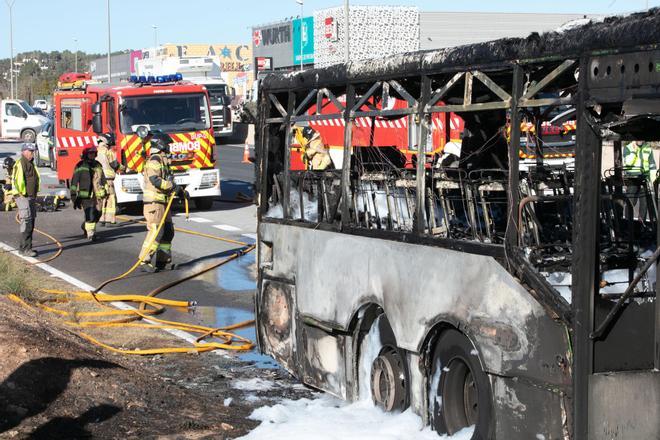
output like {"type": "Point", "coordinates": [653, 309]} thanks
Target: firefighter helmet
{"type": "Point", "coordinates": [89, 149]}
{"type": "Point", "coordinates": [161, 142]}
{"type": "Point", "coordinates": [308, 132]}
{"type": "Point", "coordinates": [107, 138]}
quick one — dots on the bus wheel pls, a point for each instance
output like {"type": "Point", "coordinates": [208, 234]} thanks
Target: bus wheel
{"type": "Point", "coordinates": [460, 394]}
{"type": "Point", "coordinates": [388, 381]}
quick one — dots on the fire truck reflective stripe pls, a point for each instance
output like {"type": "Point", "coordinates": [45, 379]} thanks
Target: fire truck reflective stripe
{"type": "Point", "coordinates": [369, 121]}
{"type": "Point", "coordinates": [396, 122]}
{"type": "Point", "coordinates": [64, 143]}
{"type": "Point", "coordinates": [452, 124]}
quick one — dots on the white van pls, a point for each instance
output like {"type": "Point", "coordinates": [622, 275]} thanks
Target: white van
{"type": "Point", "coordinates": [19, 121]}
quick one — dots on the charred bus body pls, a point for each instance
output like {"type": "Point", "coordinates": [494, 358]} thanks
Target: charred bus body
{"type": "Point", "coordinates": [520, 301]}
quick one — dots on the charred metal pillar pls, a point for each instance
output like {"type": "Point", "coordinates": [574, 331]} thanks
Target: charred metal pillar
{"type": "Point", "coordinates": [514, 172]}
{"type": "Point", "coordinates": [346, 162]}
{"type": "Point", "coordinates": [422, 130]}
{"type": "Point", "coordinates": [290, 109]}
{"type": "Point", "coordinates": [585, 254]}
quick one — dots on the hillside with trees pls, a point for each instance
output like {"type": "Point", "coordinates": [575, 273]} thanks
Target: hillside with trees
{"type": "Point", "coordinates": [38, 72]}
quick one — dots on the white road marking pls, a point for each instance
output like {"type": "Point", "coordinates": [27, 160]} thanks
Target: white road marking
{"type": "Point", "coordinates": [84, 286]}
{"type": "Point", "coordinates": [200, 220]}
{"type": "Point", "coordinates": [228, 228]}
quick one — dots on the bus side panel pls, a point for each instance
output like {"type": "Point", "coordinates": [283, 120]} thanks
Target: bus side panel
{"type": "Point", "coordinates": [335, 274]}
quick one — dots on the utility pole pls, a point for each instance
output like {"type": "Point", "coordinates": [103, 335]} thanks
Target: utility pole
{"type": "Point", "coordinates": [10, 4]}
{"type": "Point", "coordinates": [75, 69]}
{"type": "Point", "coordinates": [155, 37]}
{"type": "Point", "coordinates": [301, 3]}
{"type": "Point", "coordinates": [347, 48]}
{"type": "Point", "coordinates": [109, 69]}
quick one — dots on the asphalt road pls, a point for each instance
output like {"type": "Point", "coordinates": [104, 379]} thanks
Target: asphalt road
{"type": "Point", "coordinates": [223, 296]}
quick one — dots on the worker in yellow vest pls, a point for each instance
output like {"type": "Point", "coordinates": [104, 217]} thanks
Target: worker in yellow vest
{"type": "Point", "coordinates": [639, 162]}
{"type": "Point", "coordinates": [25, 187]}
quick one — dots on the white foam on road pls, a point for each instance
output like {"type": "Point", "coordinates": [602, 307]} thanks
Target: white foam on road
{"type": "Point", "coordinates": [254, 384]}
{"type": "Point", "coordinates": [331, 419]}
{"type": "Point", "coordinates": [252, 236]}
{"type": "Point", "coordinates": [228, 228]}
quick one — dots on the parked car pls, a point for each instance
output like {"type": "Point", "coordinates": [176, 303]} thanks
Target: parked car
{"type": "Point", "coordinates": [40, 104]}
{"type": "Point", "coordinates": [45, 154]}
{"type": "Point", "coordinates": [19, 121]}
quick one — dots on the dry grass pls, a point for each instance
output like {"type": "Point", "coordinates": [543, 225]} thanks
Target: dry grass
{"type": "Point", "coordinates": [16, 278]}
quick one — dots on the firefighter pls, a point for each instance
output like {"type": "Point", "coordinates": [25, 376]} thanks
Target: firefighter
{"type": "Point", "coordinates": [316, 154]}
{"type": "Point", "coordinates": [107, 157]}
{"type": "Point", "coordinates": [8, 202]}
{"type": "Point", "coordinates": [159, 186]}
{"type": "Point", "coordinates": [88, 190]}
{"type": "Point", "coordinates": [25, 187]}
{"type": "Point", "coordinates": [639, 163]}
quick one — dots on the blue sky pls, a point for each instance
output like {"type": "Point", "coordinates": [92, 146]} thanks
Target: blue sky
{"type": "Point", "coordinates": [53, 24]}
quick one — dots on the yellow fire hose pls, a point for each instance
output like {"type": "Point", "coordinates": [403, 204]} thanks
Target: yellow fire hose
{"type": "Point", "coordinates": [229, 341]}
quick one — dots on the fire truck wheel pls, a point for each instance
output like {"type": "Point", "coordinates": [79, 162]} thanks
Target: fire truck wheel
{"type": "Point", "coordinates": [37, 158]}
{"type": "Point", "coordinates": [51, 160]}
{"type": "Point", "coordinates": [204, 203]}
{"type": "Point", "coordinates": [28, 135]}
{"type": "Point", "coordinates": [460, 394]}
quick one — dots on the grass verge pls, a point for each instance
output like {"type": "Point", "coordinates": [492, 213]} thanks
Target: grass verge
{"type": "Point", "coordinates": [16, 278]}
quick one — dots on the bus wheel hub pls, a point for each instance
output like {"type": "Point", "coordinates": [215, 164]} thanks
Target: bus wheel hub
{"type": "Point", "coordinates": [388, 381]}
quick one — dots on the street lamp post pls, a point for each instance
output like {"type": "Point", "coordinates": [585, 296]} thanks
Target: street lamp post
{"type": "Point", "coordinates": [75, 57]}
{"type": "Point", "coordinates": [155, 37]}
{"type": "Point", "coordinates": [10, 4]}
{"type": "Point", "coordinates": [302, 4]}
{"type": "Point", "coordinates": [109, 66]}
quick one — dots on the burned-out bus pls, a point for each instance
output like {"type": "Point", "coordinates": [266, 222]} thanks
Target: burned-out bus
{"type": "Point", "coordinates": [475, 291]}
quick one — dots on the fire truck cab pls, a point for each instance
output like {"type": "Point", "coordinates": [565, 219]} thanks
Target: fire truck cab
{"type": "Point", "coordinates": [180, 109]}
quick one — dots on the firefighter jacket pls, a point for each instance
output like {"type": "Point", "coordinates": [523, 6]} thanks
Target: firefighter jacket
{"type": "Point", "coordinates": [639, 160]}
{"type": "Point", "coordinates": [108, 160]}
{"type": "Point", "coordinates": [157, 179]}
{"type": "Point", "coordinates": [23, 171]}
{"type": "Point", "coordinates": [88, 181]}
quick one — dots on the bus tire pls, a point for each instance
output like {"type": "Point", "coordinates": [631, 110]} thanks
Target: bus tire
{"type": "Point", "coordinates": [460, 394]}
{"type": "Point", "coordinates": [203, 203]}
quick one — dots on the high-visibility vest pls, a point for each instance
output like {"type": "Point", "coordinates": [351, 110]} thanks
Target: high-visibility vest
{"type": "Point", "coordinates": [18, 186]}
{"type": "Point", "coordinates": [157, 179]}
{"type": "Point", "coordinates": [639, 160]}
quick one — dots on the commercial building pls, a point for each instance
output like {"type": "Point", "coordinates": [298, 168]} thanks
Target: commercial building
{"type": "Point", "coordinates": [378, 31]}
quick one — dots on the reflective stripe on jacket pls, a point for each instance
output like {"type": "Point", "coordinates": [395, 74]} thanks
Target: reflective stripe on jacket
{"type": "Point", "coordinates": [88, 181]}
{"type": "Point", "coordinates": [157, 179]}
{"type": "Point", "coordinates": [18, 186]}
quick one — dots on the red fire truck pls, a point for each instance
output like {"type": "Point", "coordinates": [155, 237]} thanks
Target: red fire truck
{"type": "Point", "coordinates": [445, 131]}
{"type": "Point", "coordinates": [181, 109]}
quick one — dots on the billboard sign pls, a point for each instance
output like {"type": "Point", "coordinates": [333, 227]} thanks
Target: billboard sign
{"type": "Point", "coordinates": [303, 39]}
{"type": "Point", "coordinates": [330, 28]}
{"type": "Point", "coordinates": [273, 41]}
{"type": "Point", "coordinates": [264, 63]}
